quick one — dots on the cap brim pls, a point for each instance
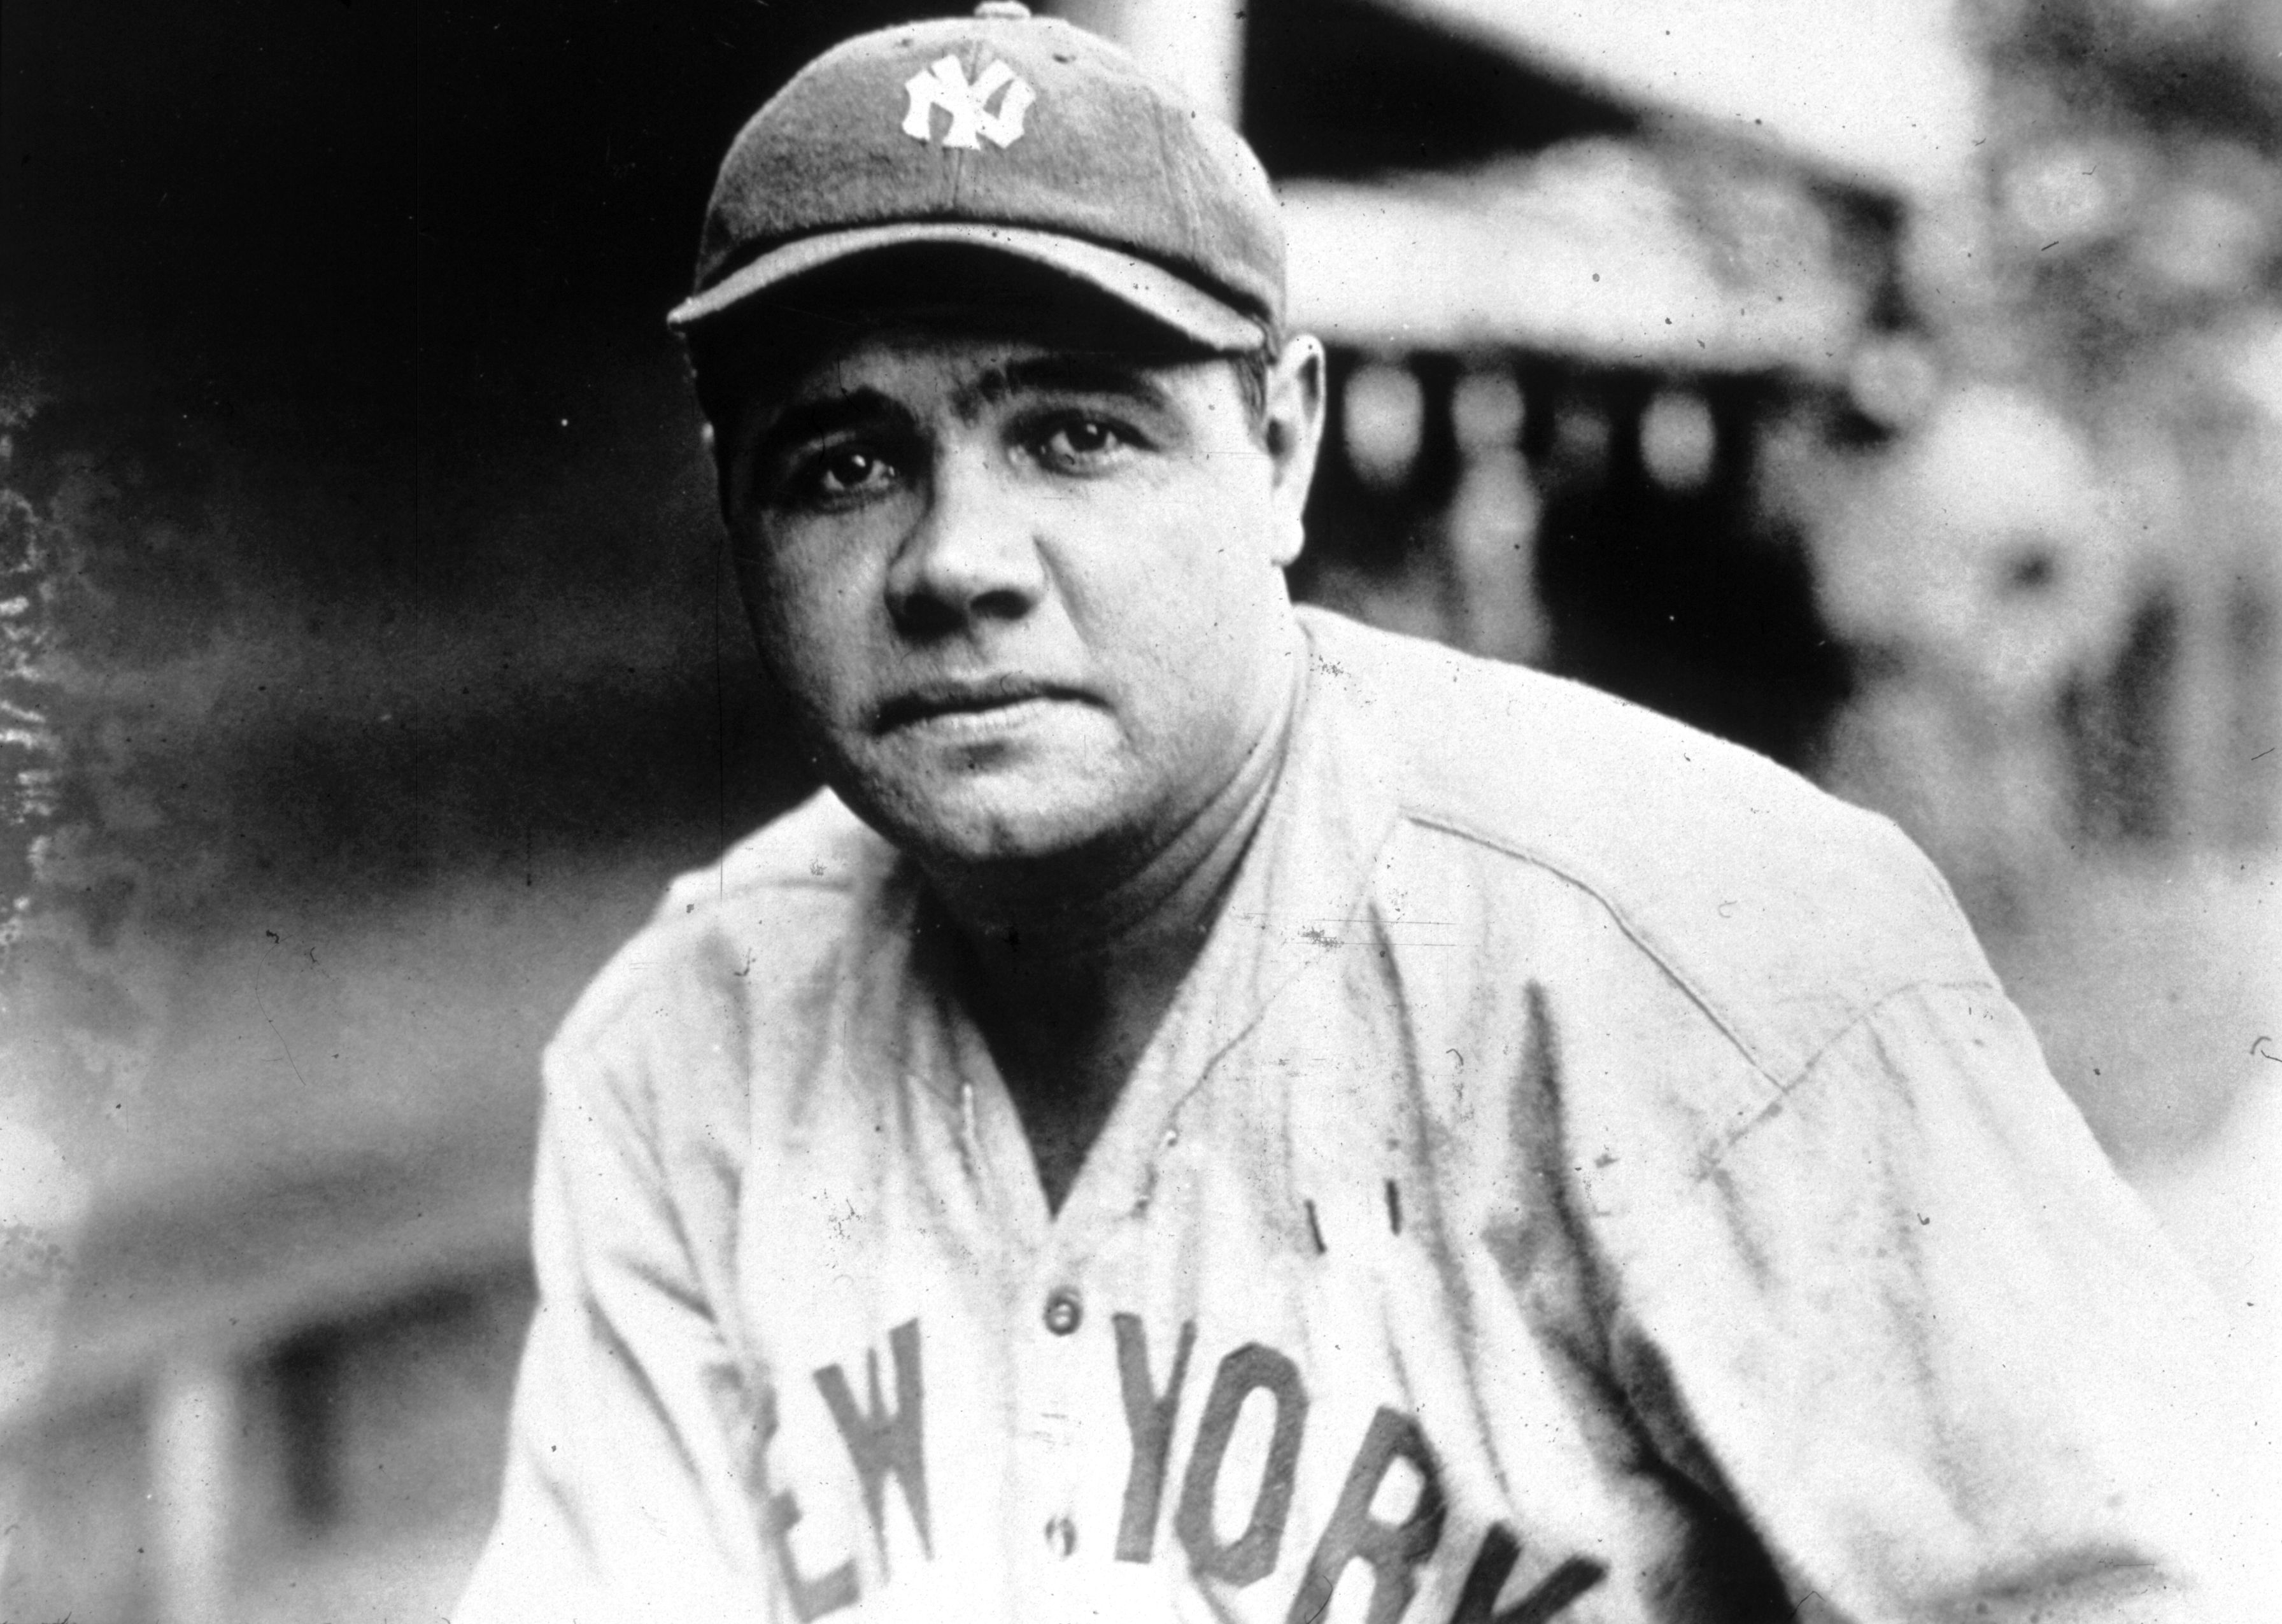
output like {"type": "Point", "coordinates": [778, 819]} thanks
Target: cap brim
{"type": "Point", "coordinates": [1149, 288]}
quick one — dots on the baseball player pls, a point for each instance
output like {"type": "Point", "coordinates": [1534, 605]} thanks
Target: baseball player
{"type": "Point", "coordinates": [1219, 1113]}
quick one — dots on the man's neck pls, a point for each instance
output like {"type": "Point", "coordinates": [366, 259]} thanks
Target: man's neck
{"type": "Point", "coordinates": [1068, 984]}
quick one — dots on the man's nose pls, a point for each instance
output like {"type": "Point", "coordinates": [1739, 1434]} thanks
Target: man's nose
{"type": "Point", "coordinates": [971, 556]}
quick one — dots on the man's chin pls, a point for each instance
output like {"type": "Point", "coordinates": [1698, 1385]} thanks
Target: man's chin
{"type": "Point", "coordinates": [979, 822]}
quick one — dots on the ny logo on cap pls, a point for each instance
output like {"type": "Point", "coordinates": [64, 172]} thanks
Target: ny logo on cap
{"type": "Point", "coordinates": [945, 85]}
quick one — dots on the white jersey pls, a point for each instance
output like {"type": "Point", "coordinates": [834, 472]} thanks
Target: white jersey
{"type": "Point", "coordinates": [1588, 1175]}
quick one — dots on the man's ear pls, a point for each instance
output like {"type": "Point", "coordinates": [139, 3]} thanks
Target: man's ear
{"type": "Point", "coordinates": [721, 488]}
{"type": "Point", "coordinates": [1292, 427]}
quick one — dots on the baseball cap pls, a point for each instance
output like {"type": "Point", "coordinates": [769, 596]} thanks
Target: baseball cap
{"type": "Point", "coordinates": [1001, 132]}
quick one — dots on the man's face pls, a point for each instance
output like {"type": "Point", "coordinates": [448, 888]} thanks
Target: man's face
{"type": "Point", "coordinates": [1025, 597]}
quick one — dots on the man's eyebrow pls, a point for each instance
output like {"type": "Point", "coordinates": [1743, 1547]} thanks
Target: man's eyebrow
{"type": "Point", "coordinates": [809, 420]}
{"type": "Point", "coordinates": [1071, 372]}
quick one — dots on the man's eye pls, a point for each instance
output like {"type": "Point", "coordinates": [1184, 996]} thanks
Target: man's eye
{"type": "Point", "coordinates": [824, 478]}
{"type": "Point", "coordinates": [1079, 442]}
{"type": "Point", "coordinates": [847, 470]}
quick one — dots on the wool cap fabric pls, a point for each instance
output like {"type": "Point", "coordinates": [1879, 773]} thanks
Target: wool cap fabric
{"type": "Point", "coordinates": [1005, 132]}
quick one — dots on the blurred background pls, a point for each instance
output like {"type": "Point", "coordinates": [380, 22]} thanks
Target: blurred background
{"type": "Point", "coordinates": [1894, 388]}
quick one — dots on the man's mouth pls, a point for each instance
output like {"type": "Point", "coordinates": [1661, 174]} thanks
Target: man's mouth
{"type": "Point", "coordinates": [975, 696]}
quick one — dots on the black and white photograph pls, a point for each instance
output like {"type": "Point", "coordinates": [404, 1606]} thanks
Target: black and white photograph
{"type": "Point", "coordinates": [1276, 811]}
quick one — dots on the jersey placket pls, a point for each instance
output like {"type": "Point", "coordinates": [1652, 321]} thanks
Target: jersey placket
{"type": "Point", "coordinates": [1050, 1333]}
{"type": "Point", "coordinates": [1069, 1444]}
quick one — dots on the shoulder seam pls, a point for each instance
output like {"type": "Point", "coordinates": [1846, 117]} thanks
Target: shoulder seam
{"type": "Point", "coordinates": [1783, 1083]}
{"type": "Point", "coordinates": [1696, 994]}
{"type": "Point", "coordinates": [1789, 1085]}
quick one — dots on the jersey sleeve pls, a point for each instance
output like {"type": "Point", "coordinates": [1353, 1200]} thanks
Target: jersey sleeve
{"type": "Point", "coordinates": [1915, 1330]}
{"type": "Point", "coordinates": [632, 1434]}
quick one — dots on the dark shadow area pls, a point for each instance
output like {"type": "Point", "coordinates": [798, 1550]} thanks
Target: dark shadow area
{"type": "Point", "coordinates": [1345, 88]}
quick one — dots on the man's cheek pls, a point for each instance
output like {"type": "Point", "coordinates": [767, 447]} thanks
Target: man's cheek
{"type": "Point", "coordinates": [810, 666]}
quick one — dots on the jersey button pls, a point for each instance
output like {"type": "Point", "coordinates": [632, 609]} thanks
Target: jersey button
{"type": "Point", "coordinates": [1064, 1312]}
{"type": "Point", "coordinates": [1061, 1535]}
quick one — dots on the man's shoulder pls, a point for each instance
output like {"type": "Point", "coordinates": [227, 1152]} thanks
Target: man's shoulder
{"type": "Point", "coordinates": [816, 855]}
{"type": "Point", "coordinates": [1782, 909]}
{"type": "Point", "coordinates": [1517, 755]}
{"type": "Point", "coordinates": [768, 917]}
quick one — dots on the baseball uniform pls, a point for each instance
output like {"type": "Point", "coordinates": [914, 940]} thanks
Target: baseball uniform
{"type": "Point", "coordinates": [1588, 1175]}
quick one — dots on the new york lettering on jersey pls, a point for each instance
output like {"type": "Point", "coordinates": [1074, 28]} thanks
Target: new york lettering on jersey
{"type": "Point", "coordinates": [1233, 1514]}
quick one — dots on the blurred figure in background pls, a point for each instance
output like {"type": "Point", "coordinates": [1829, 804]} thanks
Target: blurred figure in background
{"type": "Point", "coordinates": [1977, 572]}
